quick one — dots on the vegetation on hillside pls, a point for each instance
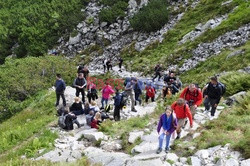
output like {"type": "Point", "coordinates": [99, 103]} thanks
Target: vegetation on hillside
{"type": "Point", "coordinates": [151, 17]}
{"type": "Point", "coordinates": [36, 25]}
{"type": "Point", "coordinates": [21, 79]}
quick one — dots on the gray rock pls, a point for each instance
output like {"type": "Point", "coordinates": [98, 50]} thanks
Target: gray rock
{"type": "Point", "coordinates": [235, 53]}
{"type": "Point", "coordinates": [135, 135]}
{"type": "Point", "coordinates": [195, 161]}
{"type": "Point", "coordinates": [226, 3]}
{"type": "Point", "coordinates": [232, 162]}
{"type": "Point", "coordinates": [232, 99]}
{"type": "Point", "coordinates": [172, 156]}
{"type": "Point", "coordinates": [155, 162]}
{"type": "Point", "coordinates": [74, 40]}
{"type": "Point", "coordinates": [204, 154]}
{"type": "Point", "coordinates": [245, 162]}
{"type": "Point", "coordinates": [103, 24]}
{"type": "Point", "coordinates": [93, 137]}
{"type": "Point", "coordinates": [183, 160]}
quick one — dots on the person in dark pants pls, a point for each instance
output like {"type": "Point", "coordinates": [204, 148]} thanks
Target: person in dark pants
{"type": "Point", "coordinates": [212, 95]}
{"type": "Point", "coordinates": [70, 119]}
{"type": "Point", "coordinates": [117, 103]}
{"type": "Point", "coordinates": [109, 64]}
{"type": "Point", "coordinates": [157, 72]}
{"type": "Point", "coordinates": [76, 107]}
{"type": "Point", "coordinates": [138, 92]}
{"type": "Point", "coordinates": [80, 84]}
{"type": "Point", "coordinates": [150, 93]}
{"type": "Point", "coordinates": [60, 88]}
{"type": "Point", "coordinates": [120, 64]}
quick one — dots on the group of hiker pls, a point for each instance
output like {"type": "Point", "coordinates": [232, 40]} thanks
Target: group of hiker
{"type": "Point", "coordinates": [175, 116]}
{"type": "Point", "coordinates": [173, 119]}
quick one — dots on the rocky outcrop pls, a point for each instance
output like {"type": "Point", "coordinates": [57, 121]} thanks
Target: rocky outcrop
{"type": "Point", "coordinates": [235, 98]}
{"type": "Point", "coordinates": [205, 50]}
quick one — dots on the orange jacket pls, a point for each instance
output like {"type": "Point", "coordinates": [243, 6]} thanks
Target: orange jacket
{"type": "Point", "coordinates": [182, 112]}
{"type": "Point", "coordinates": [196, 96]}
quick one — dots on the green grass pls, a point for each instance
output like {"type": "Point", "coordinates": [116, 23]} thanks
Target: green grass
{"type": "Point", "coordinates": [237, 132]}
{"type": "Point", "coordinates": [169, 51]}
{"type": "Point", "coordinates": [28, 123]}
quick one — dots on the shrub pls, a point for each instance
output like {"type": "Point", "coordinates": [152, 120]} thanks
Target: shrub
{"type": "Point", "coordinates": [112, 13]}
{"type": "Point", "coordinates": [151, 17]}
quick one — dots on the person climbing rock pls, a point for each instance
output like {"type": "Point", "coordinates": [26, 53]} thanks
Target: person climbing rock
{"type": "Point", "coordinates": [80, 84]}
{"type": "Point", "coordinates": [130, 92]}
{"type": "Point", "coordinates": [60, 88]}
{"type": "Point", "coordinates": [193, 97]}
{"type": "Point", "coordinates": [76, 107]}
{"type": "Point", "coordinates": [158, 69]}
{"type": "Point", "coordinates": [106, 92]}
{"type": "Point", "coordinates": [182, 111]}
{"type": "Point", "coordinates": [166, 126]}
{"type": "Point", "coordinates": [213, 92]}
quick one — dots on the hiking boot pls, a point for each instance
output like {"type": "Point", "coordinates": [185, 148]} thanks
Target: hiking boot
{"type": "Point", "coordinates": [158, 151]}
{"type": "Point", "coordinates": [134, 110]}
{"type": "Point", "coordinates": [166, 150]}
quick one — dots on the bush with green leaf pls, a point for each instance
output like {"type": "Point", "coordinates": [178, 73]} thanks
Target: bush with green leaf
{"type": "Point", "coordinates": [151, 17]}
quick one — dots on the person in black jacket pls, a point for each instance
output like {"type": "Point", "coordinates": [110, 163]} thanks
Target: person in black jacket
{"type": "Point", "coordinates": [60, 88]}
{"type": "Point", "coordinates": [212, 95]}
{"type": "Point", "coordinates": [117, 103]}
{"type": "Point", "coordinates": [76, 107]}
{"type": "Point", "coordinates": [120, 64]}
{"type": "Point", "coordinates": [158, 69]}
{"type": "Point", "coordinates": [80, 84]}
{"type": "Point", "coordinates": [70, 119]}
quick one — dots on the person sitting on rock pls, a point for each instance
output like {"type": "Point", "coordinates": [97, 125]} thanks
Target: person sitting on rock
{"type": "Point", "coordinates": [182, 111]}
{"type": "Point", "coordinates": [166, 127]}
{"type": "Point", "coordinates": [97, 120]}
{"type": "Point", "coordinates": [93, 106]}
{"type": "Point", "coordinates": [193, 97]}
{"type": "Point", "coordinates": [90, 117]}
{"type": "Point", "coordinates": [76, 107]}
{"type": "Point", "coordinates": [150, 93]}
{"type": "Point", "coordinates": [70, 119]}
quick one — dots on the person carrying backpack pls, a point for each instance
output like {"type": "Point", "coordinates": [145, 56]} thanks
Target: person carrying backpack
{"type": "Point", "coordinates": [117, 102]}
{"type": "Point", "coordinates": [213, 92]}
{"type": "Point", "coordinates": [60, 88]}
{"type": "Point", "coordinates": [69, 120]}
{"type": "Point", "coordinates": [166, 126]}
{"type": "Point", "coordinates": [150, 93]}
{"type": "Point", "coordinates": [80, 84]}
{"type": "Point", "coordinates": [193, 97]}
{"type": "Point", "coordinates": [138, 91]}
{"type": "Point", "coordinates": [92, 92]}
{"type": "Point", "coordinates": [130, 92]}
{"type": "Point", "coordinates": [158, 69]}
{"type": "Point", "coordinates": [182, 111]}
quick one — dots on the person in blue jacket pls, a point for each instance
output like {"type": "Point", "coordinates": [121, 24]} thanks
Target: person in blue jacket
{"type": "Point", "coordinates": [166, 126]}
{"type": "Point", "coordinates": [117, 103]}
{"type": "Point", "coordinates": [60, 88]}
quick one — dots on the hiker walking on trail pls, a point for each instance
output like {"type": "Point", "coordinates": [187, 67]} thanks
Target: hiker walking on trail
{"type": "Point", "coordinates": [60, 88]}
{"type": "Point", "coordinates": [138, 91]}
{"type": "Point", "coordinates": [150, 93]}
{"type": "Point", "coordinates": [158, 69]}
{"type": "Point", "coordinates": [193, 97]}
{"type": "Point", "coordinates": [170, 80]}
{"type": "Point", "coordinates": [109, 65]}
{"type": "Point", "coordinates": [130, 92]}
{"type": "Point", "coordinates": [92, 92]}
{"type": "Point", "coordinates": [120, 64]}
{"type": "Point", "coordinates": [117, 103]}
{"type": "Point", "coordinates": [106, 92]}
{"type": "Point", "coordinates": [182, 111]}
{"type": "Point", "coordinates": [213, 92]}
{"type": "Point", "coordinates": [166, 127]}
{"type": "Point", "coordinates": [80, 84]}
{"type": "Point", "coordinates": [104, 62]}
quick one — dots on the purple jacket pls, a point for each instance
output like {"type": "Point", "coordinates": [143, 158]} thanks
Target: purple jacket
{"type": "Point", "coordinates": [172, 128]}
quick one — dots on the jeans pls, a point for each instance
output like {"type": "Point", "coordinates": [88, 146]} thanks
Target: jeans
{"type": "Point", "coordinates": [161, 138]}
{"type": "Point", "coordinates": [104, 100]}
{"type": "Point", "coordinates": [137, 98]}
{"type": "Point", "coordinates": [208, 102]}
{"type": "Point", "coordinates": [58, 95]}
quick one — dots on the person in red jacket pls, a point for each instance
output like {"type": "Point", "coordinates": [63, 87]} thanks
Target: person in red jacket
{"type": "Point", "coordinates": [150, 93]}
{"type": "Point", "coordinates": [182, 111]}
{"type": "Point", "coordinates": [193, 97]}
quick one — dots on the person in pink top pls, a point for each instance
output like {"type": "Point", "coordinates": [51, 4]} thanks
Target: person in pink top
{"type": "Point", "coordinates": [106, 92]}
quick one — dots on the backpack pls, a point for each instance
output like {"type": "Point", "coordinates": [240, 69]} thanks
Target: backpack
{"type": "Point", "coordinates": [107, 108]}
{"type": "Point", "coordinates": [61, 121]}
{"type": "Point", "coordinates": [124, 100]}
{"type": "Point", "coordinates": [184, 107]}
{"type": "Point", "coordinates": [223, 88]}
{"type": "Point", "coordinates": [196, 94]}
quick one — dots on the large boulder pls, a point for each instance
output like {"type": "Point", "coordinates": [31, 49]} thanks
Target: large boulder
{"type": "Point", "coordinates": [195, 161]}
{"type": "Point", "coordinates": [172, 156]}
{"type": "Point", "coordinates": [232, 99]}
{"type": "Point", "coordinates": [245, 162]}
{"type": "Point", "coordinates": [94, 136]}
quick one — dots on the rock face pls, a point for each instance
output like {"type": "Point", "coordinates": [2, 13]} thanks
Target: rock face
{"type": "Point", "coordinates": [232, 99]}
{"type": "Point", "coordinates": [135, 135]}
{"type": "Point", "coordinates": [204, 50]}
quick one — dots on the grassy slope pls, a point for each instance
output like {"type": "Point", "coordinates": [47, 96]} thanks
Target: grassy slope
{"type": "Point", "coordinates": [204, 11]}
